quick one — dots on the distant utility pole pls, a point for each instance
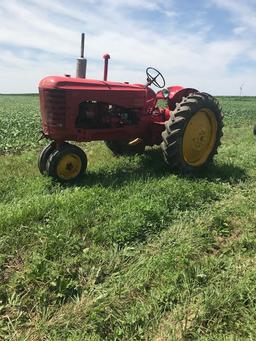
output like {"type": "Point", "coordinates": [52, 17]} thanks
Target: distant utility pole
{"type": "Point", "coordinates": [241, 89]}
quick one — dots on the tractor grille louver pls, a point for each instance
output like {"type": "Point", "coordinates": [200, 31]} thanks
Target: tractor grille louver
{"type": "Point", "coordinates": [55, 107]}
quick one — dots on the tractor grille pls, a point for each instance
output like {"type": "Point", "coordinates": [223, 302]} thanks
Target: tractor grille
{"type": "Point", "coordinates": [54, 108]}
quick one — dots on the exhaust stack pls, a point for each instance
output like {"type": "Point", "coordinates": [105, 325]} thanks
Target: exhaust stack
{"type": "Point", "coordinates": [81, 62]}
{"type": "Point", "coordinates": [106, 58]}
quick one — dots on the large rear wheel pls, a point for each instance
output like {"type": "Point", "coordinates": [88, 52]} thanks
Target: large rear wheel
{"type": "Point", "coordinates": [193, 132]}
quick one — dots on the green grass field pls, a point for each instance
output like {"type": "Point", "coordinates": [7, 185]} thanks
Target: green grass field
{"type": "Point", "coordinates": [132, 251]}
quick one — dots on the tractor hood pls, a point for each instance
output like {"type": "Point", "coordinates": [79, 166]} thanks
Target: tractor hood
{"type": "Point", "coordinates": [66, 83]}
{"type": "Point", "coordinates": [115, 93]}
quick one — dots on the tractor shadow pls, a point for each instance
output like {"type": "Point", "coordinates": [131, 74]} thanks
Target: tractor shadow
{"type": "Point", "coordinates": [228, 173]}
{"type": "Point", "coordinates": [148, 166]}
{"type": "Point", "coordinates": [152, 166]}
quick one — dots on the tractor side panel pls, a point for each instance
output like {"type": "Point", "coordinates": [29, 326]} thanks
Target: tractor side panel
{"type": "Point", "coordinates": [60, 99]}
{"type": "Point", "coordinates": [123, 98]}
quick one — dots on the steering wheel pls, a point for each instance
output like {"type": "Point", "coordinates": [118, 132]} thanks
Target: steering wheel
{"type": "Point", "coordinates": [151, 77]}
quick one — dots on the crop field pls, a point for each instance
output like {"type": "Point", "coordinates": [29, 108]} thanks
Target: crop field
{"type": "Point", "coordinates": [132, 251]}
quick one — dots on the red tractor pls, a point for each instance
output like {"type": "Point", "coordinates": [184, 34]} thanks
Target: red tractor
{"type": "Point", "coordinates": [128, 117]}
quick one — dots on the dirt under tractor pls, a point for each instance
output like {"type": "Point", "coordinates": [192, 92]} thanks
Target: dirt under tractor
{"type": "Point", "coordinates": [186, 123]}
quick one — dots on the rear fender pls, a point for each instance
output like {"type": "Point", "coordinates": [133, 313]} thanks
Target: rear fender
{"type": "Point", "coordinates": [172, 91]}
{"type": "Point", "coordinates": [176, 93]}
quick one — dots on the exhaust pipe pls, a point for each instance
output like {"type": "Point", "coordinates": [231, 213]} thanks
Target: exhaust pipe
{"type": "Point", "coordinates": [81, 62]}
{"type": "Point", "coordinates": [106, 58]}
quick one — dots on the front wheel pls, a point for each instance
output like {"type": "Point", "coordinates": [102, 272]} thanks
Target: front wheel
{"type": "Point", "coordinates": [43, 157]}
{"type": "Point", "coordinates": [67, 163]}
{"type": "Point", "coordinates": [193, 132]}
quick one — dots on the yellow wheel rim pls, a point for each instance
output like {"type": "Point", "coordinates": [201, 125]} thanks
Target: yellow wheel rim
{"type": "Point", "coordinates": [199, 137]}
{"type": "Point", "coordinates": [69, 167]}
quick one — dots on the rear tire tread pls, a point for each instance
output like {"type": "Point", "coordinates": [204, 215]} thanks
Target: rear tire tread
{"type": "Point", "coordinates": [175, 127]}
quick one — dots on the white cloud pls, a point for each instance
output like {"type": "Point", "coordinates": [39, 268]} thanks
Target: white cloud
{"type": "Point", "coordinates": [243, 11]}
{"type": "Point", "coordinates": [54, 29]}
{"type": "Point", "coordinates": [252, 54]}
{"type": "Point", "coordinates": [239, 30]}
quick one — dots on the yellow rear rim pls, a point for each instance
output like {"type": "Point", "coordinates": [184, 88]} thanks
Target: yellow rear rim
{"type": "Point", "coordinates": [199, 137]}
{"type": "Point", "coordinates": [69, 166]}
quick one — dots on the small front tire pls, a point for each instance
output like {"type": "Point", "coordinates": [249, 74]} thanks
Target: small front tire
{"type": "Point", "coordinates": [44, 156]}
{"type": "Point", "coordinates": [67, 163]}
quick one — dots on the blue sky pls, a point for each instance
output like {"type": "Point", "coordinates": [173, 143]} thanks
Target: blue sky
{"type": "Point", "coordinates": [209, 45]}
